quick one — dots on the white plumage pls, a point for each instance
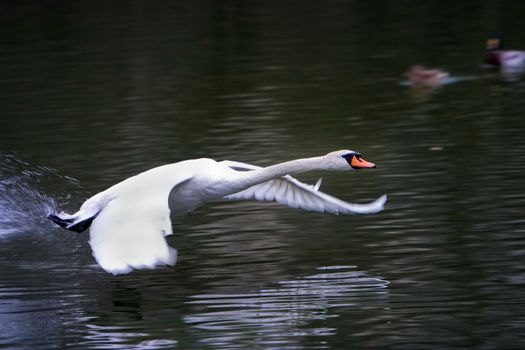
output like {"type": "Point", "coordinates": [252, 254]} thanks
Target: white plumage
{"type": "Point", "coordinates": [296, 194]}
{"type": "Point", "coordinates": [129, 221]}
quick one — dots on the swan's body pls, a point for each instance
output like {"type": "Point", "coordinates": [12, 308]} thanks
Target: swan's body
{"type": "Point", "coordinates": [129, 221]}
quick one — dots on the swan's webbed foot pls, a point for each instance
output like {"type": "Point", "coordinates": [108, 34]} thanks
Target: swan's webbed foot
{"type": "Point", "coordinates": [69, 223]}
{"type": "Point", "coordinates": [59, 221]}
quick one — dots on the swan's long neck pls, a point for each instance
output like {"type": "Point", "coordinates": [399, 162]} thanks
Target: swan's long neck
{"type": "Point", "coordinates": [251, 178]}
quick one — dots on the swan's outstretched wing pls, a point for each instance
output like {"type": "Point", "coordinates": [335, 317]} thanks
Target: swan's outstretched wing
{"type": "Point", "coordinates": [126, 235]}
{"type": "Point", "coordinates": [295, 194]}
{"type": "Point", "coordinates": [129, 230]}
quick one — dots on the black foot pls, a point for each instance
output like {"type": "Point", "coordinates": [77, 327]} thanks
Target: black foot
{"type": "Point", "coordinates": [59, 221]}
{"type": "Point", "coordinates": [65, 223]}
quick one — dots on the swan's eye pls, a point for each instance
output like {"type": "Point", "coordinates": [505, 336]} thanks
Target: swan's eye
{"type": "Point", "coordinates": [350, 156]}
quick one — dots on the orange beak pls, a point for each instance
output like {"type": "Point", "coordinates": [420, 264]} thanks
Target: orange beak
{"type": "Point", "coordinates": [359, 163]}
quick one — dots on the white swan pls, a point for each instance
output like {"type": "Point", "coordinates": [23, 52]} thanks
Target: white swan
{"type": "Point", "coordinates": [129, 221]}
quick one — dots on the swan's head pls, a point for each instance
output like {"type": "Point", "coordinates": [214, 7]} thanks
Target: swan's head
{"type": "Point", "coordinates": [346, 160]}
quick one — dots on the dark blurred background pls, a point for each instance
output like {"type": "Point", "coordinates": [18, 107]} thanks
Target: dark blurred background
{"type": "Point", "coordinates": [92, 92]}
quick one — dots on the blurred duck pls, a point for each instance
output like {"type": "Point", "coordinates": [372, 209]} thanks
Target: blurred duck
{"type": "Point", "coordinates": [507, 59]}
{"type": "Point", "coordinates": [421, 76]}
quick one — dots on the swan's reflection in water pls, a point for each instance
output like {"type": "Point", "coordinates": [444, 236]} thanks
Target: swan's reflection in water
{"type": "Point", "coordinates": [281, 316]}
{"type": "Point", "coordinates": [292, 314]}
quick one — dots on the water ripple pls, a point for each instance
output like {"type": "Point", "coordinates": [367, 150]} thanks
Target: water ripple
{"type": "Point", "coordinates": [281, 313]}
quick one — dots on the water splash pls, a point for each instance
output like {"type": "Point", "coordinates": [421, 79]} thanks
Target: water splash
{"type": "Point", "coordinates": [24, 198]}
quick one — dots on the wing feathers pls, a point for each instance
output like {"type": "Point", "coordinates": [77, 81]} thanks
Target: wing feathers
{"type": "Point", "coordinates": [129, 233]}
{"type": "Point", "coordinates": [295, 194]}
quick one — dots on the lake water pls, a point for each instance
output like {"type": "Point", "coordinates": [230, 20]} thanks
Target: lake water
{"type": "Point", "coordinates": [92, 93]}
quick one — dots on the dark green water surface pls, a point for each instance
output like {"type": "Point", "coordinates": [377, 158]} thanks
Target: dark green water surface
{"type": "Point", "coordinates": [94, 92]}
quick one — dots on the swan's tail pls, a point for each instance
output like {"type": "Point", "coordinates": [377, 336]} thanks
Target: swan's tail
{"type": "Point", "coordinates": [71, 222]}
{"type": "Point", "coordinates": [83, 218]}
